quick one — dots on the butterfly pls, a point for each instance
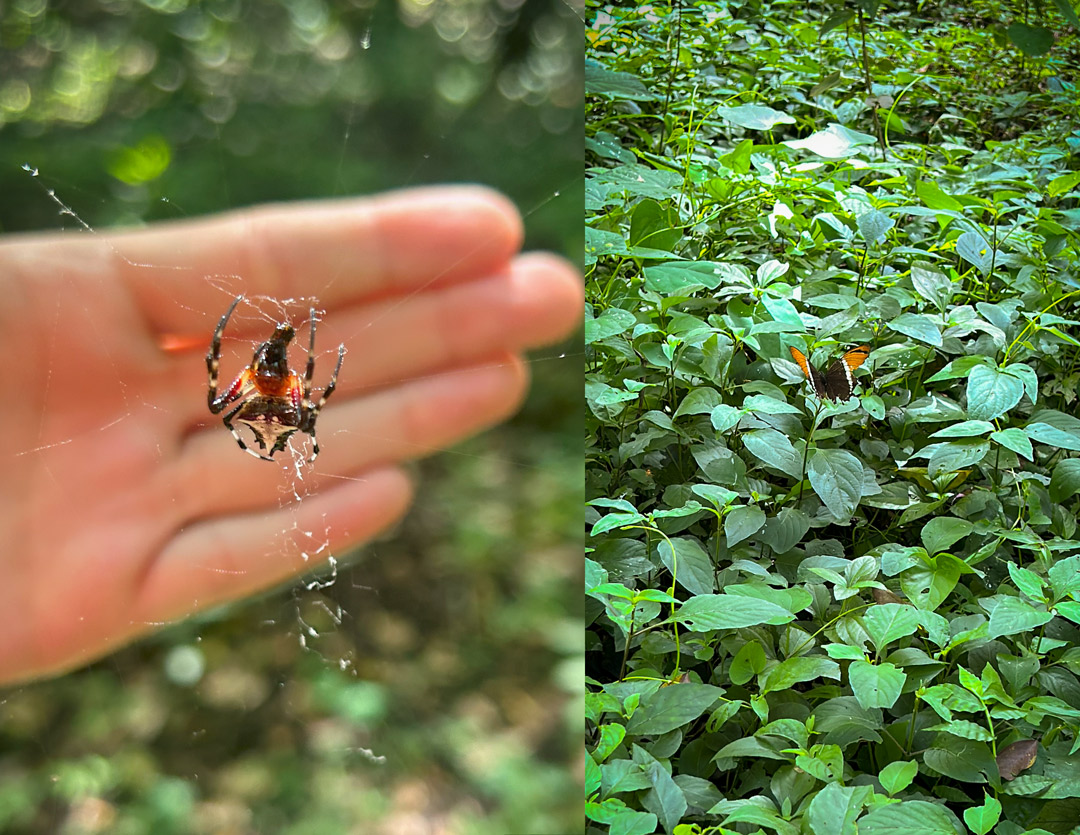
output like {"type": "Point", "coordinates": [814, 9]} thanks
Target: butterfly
{"type": "Point", "coordinates": [838, 381]}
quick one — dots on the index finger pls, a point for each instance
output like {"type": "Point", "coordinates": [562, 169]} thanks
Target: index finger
{"type": "Point", "coordinates": [342, 251]}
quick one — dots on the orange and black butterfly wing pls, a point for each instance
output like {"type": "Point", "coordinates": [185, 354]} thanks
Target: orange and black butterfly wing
{"type": "Point", "coordinates": [840, 378]}
{"type": "Point", "coordinates": [815, 377]}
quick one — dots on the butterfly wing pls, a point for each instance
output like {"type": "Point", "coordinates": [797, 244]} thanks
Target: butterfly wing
{"type": "Point", "coordinates": [816, 378]}
{"type": "Point", "coordinates": [840, 378]}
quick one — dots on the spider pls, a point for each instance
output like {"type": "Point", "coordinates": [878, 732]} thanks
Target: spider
{"type": "Point", "coordinates": [267, 396]}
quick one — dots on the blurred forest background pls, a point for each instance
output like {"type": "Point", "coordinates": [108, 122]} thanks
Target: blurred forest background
{"type": "Point", "coordinates": [447, 698]}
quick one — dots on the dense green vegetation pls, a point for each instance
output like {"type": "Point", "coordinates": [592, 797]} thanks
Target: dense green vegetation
{"type": "Point", "coordinates": [435, 685]}
{"type": "Point", "coordinates": [823, 618]}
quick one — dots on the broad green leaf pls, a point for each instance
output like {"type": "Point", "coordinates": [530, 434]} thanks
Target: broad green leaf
{"type": "Point", "coordinates": [964, 729]}
{"type": "Point", "coordinates": [964, 429]}
{"type": "Point", "coordinates": [600, 243]}
{"type": "Point", "coordinates": [932, 196]}
{"type": "Point", "coordinates": [665, 799]}
{"type": "Point", "coordinates": [611, 322]}
{"type": "Point", "coordinates": [769, 405]}
{"type": "Point", "coordinates": [773, 449]}
{"type": "Point", "coordinates": [964, 760]}
{"type": "Point", "coordinates": [889, 622]}
{"type": "Point", "coordinates": [781, 310]}
{"type": "Point", "coordinates": [724, 417]}
{"type": "Point", "coordinates": [981, 819]}
{"type": "Point", "coordinates": [834, 809]}
{"type": "Point", "coordinates": [876, 685]}
{"type": "Point", "coordinates": [942, 531]}
{"type": "Point", "coordinates": [690, 565]}
{"type": "Point", "coordinates": [897, 776]}
{"type": "Point", "coordinates": [974, 249]}
{"type": "Point", "coordinates": [835, 142]}
{"type": "Point", "coordinates": [837, 477]}
{"type": "Point", "coordinates": [672, 707]}
{"type": "Point", "coordinates": [1012, 615]}
{"type": "Point", "coordinates": [610, 738]}
{"type": "Point", "coordinates": [601, 81]}
{"type": "Point", "coordinates": [785, 530]}
{"type": "Point", "coordinates": [960, 367]}
{"type": "Point", "coordinates": [874, 225]}
{"type": "Point", "coordinates": [956, 455]}
{"type": "Point", "coordinates": [1016, 440]}
{"type": "Point", "coordinates": [917, 326]}
{"type": "Point", "coordinates": [643, 181]}
{"type": "Point", "coordinates": [747, 663]}
{"type": "Point", "coordinates": [1044, 433]}
{"type": "Point", "coordinates": [910, 817]}
{"type": "Point", "coordinates": [727, 611]}
{"type": "Point", "coordinates": [754, 116]}
{"type": "Point", "coordinates": [719, 496]}
{"type": "Point", "coordinates": [1034, 41]}
{"type": "Point", "coordinates": [681, 278]}
{"type": "Point", "coordinates": [700, 401]}
{"type": "Point", "coordinates": [1062, 184]}
{"type": "Point", "coordinates": [991, 393]}
{"type": "Point", "coordinates": [795, 670]}
{"type": "Point", "coordinates": [1065, 482]}
{"type": "Point", "coordinates": [743, 522]}
{"type": "Point", "coordinates": [655, 225]}
{"type": "Point", "coordinates": [1027, 581]}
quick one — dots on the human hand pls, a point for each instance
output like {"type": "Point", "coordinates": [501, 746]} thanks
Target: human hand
{"type": "Point", "coordinates": [128, 505]}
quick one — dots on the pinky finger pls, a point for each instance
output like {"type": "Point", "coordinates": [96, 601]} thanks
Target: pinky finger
{"type": "Point", "coordinates": [221, 559]}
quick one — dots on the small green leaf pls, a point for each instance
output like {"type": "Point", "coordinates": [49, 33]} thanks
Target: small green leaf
{"type": "Point", "coordinates": [955, 455]}
{"type": "Point", "coordinates": [672, 707]}
{"type": "Point", "coordinates": [974, 249]}
{"type": "Point", "coordinates": [991, 393]}
{"type": "Point", "coordinates": [773, 449]}
{"type": "Point", "coordinates": [837, 477]}
{"type": "Point", "coordinates": [1012, 615]}
{"type": "Point", "coordinates": [897, 776]}
{"type": "Point", "coordinates": [785, 530]}
{"type": "Point", "coordinates": [1016, 440]}
{"type": "Point", "coordinates": [917, 326]}
{"type": "Point", "coordinates": [754, 116]}
{"type": "Point", "coordinates": [981, 819]}
{"type": "Point", "coordinates": [1065, 482]}
{"type": "Point", "coordinates": [876, 685]}
{"type": "Point", "coordinates": [942, 531]}
{"type": "Point", "coordinates": [889, 622]}
{"type": "Point", "coordinates": [964, 429]}
{"type": "Point", "coordinates": [908, 818]}
{"type": "Point", "coordinates": [743, 522]}
{"type": "Point", "coordinates": [690, 564]}
{"type": "Point", "coordinates": [1044, 433]}
{"type": "Point", "coordinates": [705, 612]}
{"type": "Point", "coordinates": [1034, 41]}
{"type": "Point", "coordinates": [795, 670]}
{"type": "Point", "coordinates": [611, 322]}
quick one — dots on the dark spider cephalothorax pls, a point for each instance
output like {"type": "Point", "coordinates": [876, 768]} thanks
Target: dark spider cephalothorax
{"type": "Point", "coordinates": [267, 396]}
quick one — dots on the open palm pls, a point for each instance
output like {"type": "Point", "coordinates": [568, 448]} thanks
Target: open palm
{"type": "Point", "coordinates": [127, 505]}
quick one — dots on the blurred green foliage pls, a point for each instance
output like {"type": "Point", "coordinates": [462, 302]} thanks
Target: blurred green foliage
{"type": "Point", "coordinates": [434, 685]}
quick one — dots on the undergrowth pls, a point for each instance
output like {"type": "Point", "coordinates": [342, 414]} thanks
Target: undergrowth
{"type": "Point", "coordinates": [811, 617]}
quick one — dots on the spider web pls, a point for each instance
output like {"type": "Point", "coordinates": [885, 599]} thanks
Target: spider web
{"type": "Point", "coordinates": [314, 612]}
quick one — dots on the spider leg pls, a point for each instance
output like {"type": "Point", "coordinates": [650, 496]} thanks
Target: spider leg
{"type": "Point", "coordinates": [311, 412]}
{"type": "Point", "coordinates": [213, 357]}
{"type": "Point", "coordinates": [227, 419]}
{"type": "Point", "coordinates": [310, 372]}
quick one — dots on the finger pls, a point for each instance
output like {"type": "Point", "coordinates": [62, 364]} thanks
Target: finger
{"type": "Point", "coordinates": [213, 476]}
{"type": "Point", "coordinates": [536, 302]}
{"type": "Point", "coordinates": [182, 274]}
{"type": "Point", "coordinates": [221, 559]}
